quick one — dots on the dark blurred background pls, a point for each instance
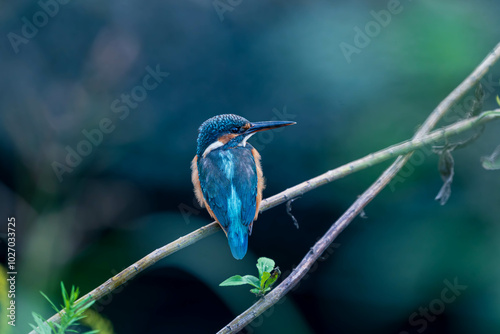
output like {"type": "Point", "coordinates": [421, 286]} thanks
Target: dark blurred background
{"type": "Point", "coordinates": [356, 77]}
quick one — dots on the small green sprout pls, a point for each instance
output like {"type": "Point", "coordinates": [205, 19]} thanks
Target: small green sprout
{"type": "Point", "coordinates": [268, 275]}
{"type": "Point", "coordinates": [73, 312]}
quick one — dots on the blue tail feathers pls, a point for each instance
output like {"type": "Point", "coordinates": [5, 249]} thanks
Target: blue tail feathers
{"type": "Point", "coordinates": [237, 237]}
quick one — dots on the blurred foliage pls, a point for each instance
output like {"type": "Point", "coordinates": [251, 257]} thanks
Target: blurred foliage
{"type": "Point", "coordinates": [83, 83]}
{"type": "Point", "coordinates": [97, 322]}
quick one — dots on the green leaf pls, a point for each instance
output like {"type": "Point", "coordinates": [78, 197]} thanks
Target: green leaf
{"type": "Point", "coordinates": [498, 100]}
{"type": "Point", "coordinates": [43, 327]}
{"type": "Point", "coordinates": [65, 295]}
{"type": "Point", "coordinates": [82, 308]}
{"type": "Point", "coordinates": [233, 280]}
{"type": "Point", "coordinates": [274, 276]}
{"type": "Point", "coordinates": [264, 264]}
{"type": "Point", "coordinates": [50, 301]}
{"type": "Point", "coordinates": [239, 280]}
{"type": "Point", "coordinates": [252, 280]}
{"type": "Point", "coordinates": [263, 279]}
{"type": "Point", "coordinates": [267, 276]}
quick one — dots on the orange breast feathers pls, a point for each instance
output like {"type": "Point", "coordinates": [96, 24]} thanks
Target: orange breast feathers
{"type": "Point", "coordinates": [261, 184]}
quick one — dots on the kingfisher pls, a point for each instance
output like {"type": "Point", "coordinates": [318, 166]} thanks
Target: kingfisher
{"type": "Point", "coordinates": [227, 175]}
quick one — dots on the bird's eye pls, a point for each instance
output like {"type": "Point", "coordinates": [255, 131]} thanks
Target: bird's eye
{"type": "Point", "coordinates": [235, 130]}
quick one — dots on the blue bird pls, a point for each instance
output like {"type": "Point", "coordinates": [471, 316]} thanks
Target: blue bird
{"type": "Point", "coordinates": [227, 175]}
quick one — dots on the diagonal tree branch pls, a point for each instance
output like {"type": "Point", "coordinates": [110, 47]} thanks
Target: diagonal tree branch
{"type": "Point", "coordinates": [280, 198]}
{"type": "Point", "coordinates": [321, 245]}
{"type": "Point", "coordinates": [408, 146]}
{"type": "Point", "coordinates": [337, 173]}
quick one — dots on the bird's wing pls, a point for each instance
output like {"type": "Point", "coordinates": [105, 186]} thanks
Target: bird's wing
{"type": "Point", "coordinates": [228, 180]}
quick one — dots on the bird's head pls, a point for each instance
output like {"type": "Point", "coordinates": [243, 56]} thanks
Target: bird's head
{"type": "Point", "coordinates": [230, 129]}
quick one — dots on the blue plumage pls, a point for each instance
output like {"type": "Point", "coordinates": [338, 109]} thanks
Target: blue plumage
{"type": "Point", "coordinates": [228, 179]}
{"type": "Point", "coordinates": [237, 238]}
{"type": "Point", "coordinates": [227, 175]}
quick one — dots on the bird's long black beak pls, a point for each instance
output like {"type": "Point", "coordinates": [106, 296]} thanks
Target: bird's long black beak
{"type": "Point", "coordinates": [268, 125]}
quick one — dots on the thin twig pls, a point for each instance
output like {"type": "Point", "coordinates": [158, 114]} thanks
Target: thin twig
{"type": "Point", "coordinates": [289, 212]}
{"type": "Point", "coordinates": [368, 161]}
{"type": "Point", "coordinates": [298, 273]}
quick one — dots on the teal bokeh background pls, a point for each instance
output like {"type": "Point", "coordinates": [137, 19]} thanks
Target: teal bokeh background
{"type": "Point", "coordinates": [259, 60]}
